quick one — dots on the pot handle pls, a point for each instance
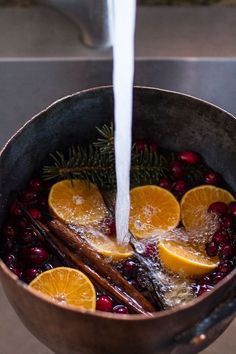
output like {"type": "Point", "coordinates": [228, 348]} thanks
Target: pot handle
{"type": "Point", "coordinates": [197, 334]}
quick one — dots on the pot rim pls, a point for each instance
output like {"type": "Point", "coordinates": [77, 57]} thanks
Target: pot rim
{"type": "Point", "coordinates": [99, 314]}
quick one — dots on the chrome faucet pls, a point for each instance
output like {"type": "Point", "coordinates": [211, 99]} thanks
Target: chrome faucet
{"type": "Point", "coordinates": [93, 17]}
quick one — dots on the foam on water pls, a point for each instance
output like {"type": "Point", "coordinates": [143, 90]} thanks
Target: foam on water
{"type": "Point", "coordinates": [123, 72]}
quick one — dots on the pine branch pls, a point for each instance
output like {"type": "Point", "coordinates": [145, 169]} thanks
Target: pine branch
{"type": "Point", "coordinates": [96, 163]}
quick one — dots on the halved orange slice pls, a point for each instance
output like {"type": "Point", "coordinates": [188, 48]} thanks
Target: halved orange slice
{"type": "Point", "coordinates": [66, 286]}
{"type": "Point", "coordinates": [184, 259]}
{"type": "Point", "coordinates": [77, 202]}
{"type": "Point", "coordinates": [195, 203]}
{"type": "Point", "coordinates": [152, 208]}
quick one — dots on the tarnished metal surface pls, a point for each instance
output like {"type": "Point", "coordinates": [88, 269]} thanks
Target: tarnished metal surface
{"type": "Point", "coordinates": [172, 120]}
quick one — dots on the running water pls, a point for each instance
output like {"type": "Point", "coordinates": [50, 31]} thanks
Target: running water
{"type": "Point", "coordinates": [123, 73]}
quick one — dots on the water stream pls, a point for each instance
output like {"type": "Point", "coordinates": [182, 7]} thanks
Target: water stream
{"type": "Point", "coordinates": [123, 73]}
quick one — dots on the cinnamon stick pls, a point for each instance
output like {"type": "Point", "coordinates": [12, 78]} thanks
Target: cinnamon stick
{"type": "Point", "coordinates": [72, 239]}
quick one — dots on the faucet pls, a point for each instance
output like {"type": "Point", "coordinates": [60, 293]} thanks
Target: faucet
{"type": "Point", "coordinates": [93, 17]}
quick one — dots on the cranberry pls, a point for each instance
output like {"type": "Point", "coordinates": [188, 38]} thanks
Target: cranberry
{"type": "Point", "coordinates": [36, 184]}
{"type": "Point", "coordinates": [180, 186]}
{"type": "Point", "coordinates": [220, 236]}
{"type": "Point", "coordinates": [22, 223]}
{"type": "Point", "coordinates": [177, 169]}
{"type": "Point", "coordinates": [218, 208]}
{"type": "Point", "coordinates": [25, 236]}
{"type": "Point", "coordinates": [203, 289]}
{"type": "Point", "coordinates": [153, 147]}
{"type": "Point", "coordinates": [120, 309]}
{"type": "Point", "coordinates": [31, 273]}
{"type": "Point", "coordinates": [47, 266]}
{"type": "Point", "coordinates": [9, 259]}
{"type": "Point", "coordinates": [151, 250]}
{"type": "Point", "coordinates": [232, 209]}
{"type": "Point", "coordinates": [165, 183]}
{"type": "Point", "coordinates": [211, 249]}
{"type": "Point", "coordinates": [227, 251]}
{"type": "Point", "coordinates": [9, 245]}
{"type": "Point", "coordinates": [129, 269]}
{"type": "Point", "coordinates": [225, 267]}
{"type": "Point", "coordinates": [189, 157]}
{"type": "Point", "coordinates": [34, 256]}
{"type": "Point", "coordinates": [140, 145]}
{"type": "Point", "coordinates": [9, 231]}
{"type": "Point", "coordinates": [205, 281]}
{"type": "Point", "coordinates": [112, 229]}
{"type": "Point", "coordinates": [104, 303]}
{"type": "Point", "coordinates": [29, 196]}
{"type": "Point", "coordinates": [17, 271]}
{"type": "Point", "coordinates": [35, 213]}
{"type": "Point", "coordinates": [216, 277]}
{"type": "Point", "coordinates": [226, 222]}
{"type": "Point", "coordinates": [15, 210]}
{"type": "Point", "coordinates": [212, 178]}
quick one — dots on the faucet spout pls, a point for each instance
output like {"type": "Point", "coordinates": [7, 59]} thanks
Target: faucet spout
{"type": "Point", "coordinates": [93, 18]}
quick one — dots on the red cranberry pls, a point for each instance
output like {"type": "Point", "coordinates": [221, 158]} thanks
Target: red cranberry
{"type": "Point", "coordinates": [212, 178]}
{"type": "Point", "coordinates": [225, 267]}
{"type": "Point", "coordinates": [226, 222]}
{"type": "Point", "coordinates": [35, 213]}
{"type": "Point", "coordinates": [9, 259]}
{"type": "Point", "coordinates": [165, 183]}
{"type": "Point", "coordinates": [205, 281]}
{"type": "Point", "coordinates": [232, 209]}
{"type": "Point", "coordinates": [36, 184]}
{"type": "Point", "coordinates": [211, 249]}
{"type": "Point", "coordinates": [22, 223]}
{"type": "Point", "coordinates": [17, 271]}
{"type": "Point", "coordinates": [218, 208]}
{"type": "Point", "coordinates": [203, 289]}
{"type": "Point", "coordinates": [153, 147]}
{"type": "Point", "coordinates": [120, 309]}
{"type": "Point", "coordinates": [177, 169]}
{"type": "Point", "coordinates": [25, 236]}
{"type": "Point", "coordinates": [34, 256]}
{"type": "Point", "coordinates": [227, 251]}
{"type": "Point", "coordinates": [220, 236]}
{"type": "Point", "coordinates": [216, 277]}
{"type": "Point", "coordinates": [104, 303]}
{"type": "Point", "coordinates": [9, 231]}
{"type": "Point", "coordinates": [15, 210]}
{"type": "Point", "coordinates": [9, 245]}
{"type": "Point", "coordinates": [31, 273]}
{"type": "Point", "coordinates": [112, 229]}
{"type": "Point", "coordinates": [129, 269]}
{"type": "Point", "coordinates": [189, 157]}
{"type": "Point", "coordinates": [28, 196]}
{"type": "Point", "coordinates": [151, 250]}
{"type": "Point", "coordinates": [180, 186]}
{"type": "Point", "coordinates": [140, 145]}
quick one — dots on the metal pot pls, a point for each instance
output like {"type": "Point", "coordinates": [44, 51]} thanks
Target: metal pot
{"type": "Point", "coordinates": [174, 121]}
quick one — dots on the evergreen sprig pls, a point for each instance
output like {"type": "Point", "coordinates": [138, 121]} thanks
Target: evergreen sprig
{"type": "Point", "coordinates": [96, 163]}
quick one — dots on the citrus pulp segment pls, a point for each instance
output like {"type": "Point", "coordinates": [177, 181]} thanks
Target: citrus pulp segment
{"type": "Point", "coordinates": [195, 203]}
{"type": "Point", "coordinates": [77, 202]}
{"type": "Point", "coordinates": [66, 286]}
{"type": "Point", "coordinates": [152, 208]}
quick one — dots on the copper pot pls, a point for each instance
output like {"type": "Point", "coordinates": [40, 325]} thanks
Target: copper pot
{"type": "Point", "coordinates": [172, 120]}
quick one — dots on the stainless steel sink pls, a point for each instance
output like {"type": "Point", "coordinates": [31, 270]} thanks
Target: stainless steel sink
{"type": "Point", "coordinates": [27, 86]}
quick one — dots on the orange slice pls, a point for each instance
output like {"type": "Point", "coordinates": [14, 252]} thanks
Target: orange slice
{"type": "Point", "coordinates": [66, 286]}
{"type": "Point", "coordinates": [195, 203]}
{"type": "Point", "coordinates": [107, 246]}
{"type": "Point", "coordinates": [184, 259]}
{"type": "Point", "coordinates": [77, 202]}
{"type": "Point", "coordinates": [152, 208]}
